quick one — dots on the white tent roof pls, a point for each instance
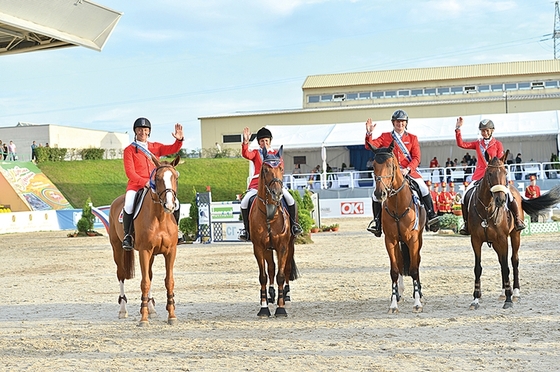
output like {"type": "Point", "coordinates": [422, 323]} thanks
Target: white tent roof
{"type": "Point", "coordinates": [427, 129]}
{"type": "Point", "coordinates": [27, 25]}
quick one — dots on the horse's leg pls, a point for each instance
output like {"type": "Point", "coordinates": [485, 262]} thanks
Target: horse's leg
{"type": "Point", "coordinates": [477, 245]}
{"type": "Point", "coordinates": [501, 248]}
{"type": "Point", "coordinates": [259, 255]}
{"type": "Point", "coordinates": [151, 302]}
{"type": "Point", "coordinates": [414, 271]}
{"type": "Point", "coordinates": [515, 243]}
{"type": "Point", "coordinates": [282, 255]}
{"type": "Point", "coordinates": [271, 267]}
{"type": "Point", "coordinates": [170, 285]}
{"type": "Point", "coordinates": [395, 297]}
{"type": "Point", "coordinates": [145, 284]}
{"type": "Point", "coordinates": [123, 312]}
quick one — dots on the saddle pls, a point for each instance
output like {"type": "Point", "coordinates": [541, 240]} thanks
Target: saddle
{"type": "Point", "coordinates": [138, 199]}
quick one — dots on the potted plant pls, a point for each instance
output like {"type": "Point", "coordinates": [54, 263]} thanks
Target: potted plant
{"type": "Point", "coordinates": [334, 227]}
{"type": "Point", "coordinates": [457, 209]}
{"type": "Point", "coordinates": [314, 229]}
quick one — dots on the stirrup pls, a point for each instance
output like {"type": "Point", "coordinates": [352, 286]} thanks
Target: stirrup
{"type": "Point", "coordinates": [373, 228]}
{"type": "Point", "coordinates": [519, 225]}
{"type": "Point", "coordinates": [464, 231]}
{"type": "Point", "coordinates": [296, 229]}
{"type": "Point", "coordinates": [127, 243]}
{"type": "Point", "coordinates": [243, 236]}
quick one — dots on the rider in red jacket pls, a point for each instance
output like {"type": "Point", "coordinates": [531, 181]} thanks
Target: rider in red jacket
{"type": "Point", "coordinates": [407, 151]}
{"type": "Point", "coordinates": [138, 167]}
{"type": "Point", "coordinates": [494, 148]}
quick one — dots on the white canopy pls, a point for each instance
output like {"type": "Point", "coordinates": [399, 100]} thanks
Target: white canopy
{"type": "Point", "coordinates": [534, 134]}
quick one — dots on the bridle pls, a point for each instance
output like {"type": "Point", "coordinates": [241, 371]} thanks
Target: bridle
{"type": "Point", "coordinates": [161, 196]}
{"type": "Point", "coordinates": [391, 190]}
{"type": "Point", "coordinates": [490, 209]}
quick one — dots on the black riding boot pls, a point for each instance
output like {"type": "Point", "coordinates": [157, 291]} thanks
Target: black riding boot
{"type": "Point", "coordinates": [127, 243]}
{"type": "Point", "coordinates": [465, 229]}
{"type": "Point", "coordinates": [433, 219]}
{"type": "Point", "coordinates": [374, 226]}
{"type": "Point", "coordinates": [177, 215]}
{"type": "Point", "coordinates": [296, 228]}
{"type": "Point", "coordinates": [244, 234]}
{"type": "Point", "coordinates": [514, 208]}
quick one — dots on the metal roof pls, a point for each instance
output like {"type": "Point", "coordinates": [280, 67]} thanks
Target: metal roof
{"type": "Point", "coordinates": [28, 25]}
{"type": "Point", "coordinates": [432, 74]}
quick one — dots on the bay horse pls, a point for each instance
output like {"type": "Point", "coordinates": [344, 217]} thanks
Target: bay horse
{"type": "Point", "coordinates": [269, 229]}
{"type": "Point", "coordinates": [491, 222]}
{"type": "Point", "coordinates": [155, 232]}
{"type": "Point", "coordinates": [402, 221]}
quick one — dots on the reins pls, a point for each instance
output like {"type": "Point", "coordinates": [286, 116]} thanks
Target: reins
{"type": "Point", "coordinates": [159, 198]}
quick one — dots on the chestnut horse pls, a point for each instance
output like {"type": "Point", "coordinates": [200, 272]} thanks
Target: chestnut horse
{"type": "Point", "coordinates": [402, 221]}
{"type": "Point", "coordinates": [155, 232]}
{"type": "Point", "coordinates": [492, 223]}
{"type": "Point", "coordinates": [269, 227]}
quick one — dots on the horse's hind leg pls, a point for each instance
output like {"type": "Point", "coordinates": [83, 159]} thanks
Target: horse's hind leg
{"type": "Point", "coordinates": [123, 312]}
{"type": "Point", "coordinates": [170, 286]}
{"type": "Point", "coordinates": [264, 312]}
{"type": "Point", "coordinates": [515, 243]}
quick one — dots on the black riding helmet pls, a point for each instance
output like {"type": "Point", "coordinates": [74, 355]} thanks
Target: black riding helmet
{"type": "Point", "coordinates": [142, 123]}
{"type": "Point", "coordinates": [486, 124]}
{"type": "Point", "coordinates": [264, 133]}
{"type": "Point", "coordinates": [399, 115]}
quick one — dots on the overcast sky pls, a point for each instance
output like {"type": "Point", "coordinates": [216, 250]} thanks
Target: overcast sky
{"type": "Point", "coordinates": [176, 61]}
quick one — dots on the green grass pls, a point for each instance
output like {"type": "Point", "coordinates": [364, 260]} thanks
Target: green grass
{"type": "Point", "coordinates": [104, 180]}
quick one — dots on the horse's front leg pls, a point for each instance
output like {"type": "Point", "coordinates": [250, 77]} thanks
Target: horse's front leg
{"type": "Point", "coordinates": [264, 312]}
{"type": "Point", "coordinates": [477, 274]}
{"type": "Point", "coordinates": [145, 285]}
{"type": "Point", "coordinates": [123, 312]}
{"type": "Point", "coordinates": [282, 254]}
{"type": "Point", "coordinates": [414, 272]}
{"type": "Point", "coordinates": [394, 272]}
{"type": "Point", "coordinates": [271, 268]}
{"type": "Point", "coordinates": [170, 286]}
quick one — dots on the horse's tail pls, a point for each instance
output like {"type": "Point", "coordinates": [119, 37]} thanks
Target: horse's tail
{"type": "Point", "coordinates": [406, 259]}
{"type": "Point", "coordinates": [294, 274]}
{"type": "Point", "coordinates": [128, 262]}
{"type": "Point", "coordinates": [548, 200]}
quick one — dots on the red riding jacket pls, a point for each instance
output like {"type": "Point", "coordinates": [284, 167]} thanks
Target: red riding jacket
{"type": "Point", "coordinates": [410, 141]}
{"type": "Point", "coordinates": [494, 149]}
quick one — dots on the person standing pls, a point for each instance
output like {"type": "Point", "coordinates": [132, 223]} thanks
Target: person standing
{"type": "Point", "coordinates": [5, 151]}
{"type": "Point", "coordinates": [494, 148]}
{"type": "Point", "coordinates": [533, 190]}
{"type": "Point", "coordinates": [518, 167]}
{"type": "Point", "coordinates": [33, 152]}
{"type": "Point", "coordinates": [407, 152]}
{"type": "Point", "coordinates": [264, 137]}
{"type": "Point", "coordinates": [138, 166]}
{"type": "Point", "coordinates": [12, 150]}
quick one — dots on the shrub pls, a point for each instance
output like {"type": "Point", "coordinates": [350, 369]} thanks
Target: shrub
{"type": "Point", "coordinates": [450, 221]}
{"type": "Point", "coordinates": [189, 225]}
{"type": "Point", "coordinates": [85, 223]}
{"type": "Point", "coordinates": [92, 154]}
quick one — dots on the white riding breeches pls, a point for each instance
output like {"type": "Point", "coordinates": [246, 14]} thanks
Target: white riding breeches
{"type": "Point", "coordinates": [129, 201]}
{"type": "Point", "coordinates": [245, 201]}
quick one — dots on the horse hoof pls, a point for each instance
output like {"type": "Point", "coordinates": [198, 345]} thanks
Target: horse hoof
{"type": "Point", "coordinates": [280, 312]}
{"type": "Point", "coordinates": [508, 305]}
{"type": "Point", "coordinates": [417, 309]}
{"type": "Point", "coordinates": [264, 312]}
{"type": "Point", "coordinates": [474, 307]}
{"type": "Point", "coordinates": [502, 298]}
{"type": "Point", "coordinates": [143, 323]}
{"type": "Point", "coordinates": [172, 321]}
{"type": "Point", "coordinates": [123, 314]}
{"type": "Point", "coordinates": [515, 298]}
{"type": "Point", "coordinates": [393, 310]}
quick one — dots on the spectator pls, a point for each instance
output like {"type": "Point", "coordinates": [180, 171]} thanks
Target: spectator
{"type": "Point", "coordinates": [445, 200]}
{"type": "Point", "coordinates": [518, 167]}
{"type": "Point", "coordinates": [33, 151]}
{"type": "Point", "coordinates": [509, 159]}
{"type": "Point", "coordinates": [4, 151]}
{"type": "Point", "coordinates": [297, 169]}
{"type": "Point", "coordinates": [12, 151]}
{"type": "Point", "coordinates": [434, 163]}
{"type": "Point", "coordinates": [533, 190]}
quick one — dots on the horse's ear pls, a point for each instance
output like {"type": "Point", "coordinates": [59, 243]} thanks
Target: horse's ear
{"type": "Point", "coordinates": [280, 151]}
{"type": "Point", "coordinates": [391, 146]}
{"type": "Point", "coordinates": [504, 158]}
{"type": "Point", "coordinates": [487, 157]}
{"type": "Point", "coordinates": [371, 147]}
{"type": "Point", "coordinates": [176, 161]}
{"type": "Point", "coordinates": [156, 161]}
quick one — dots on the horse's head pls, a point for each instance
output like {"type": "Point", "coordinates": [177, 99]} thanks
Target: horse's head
{"type": "Point", "coordinates": [272, 173]}
{"type": "Point", "coordinates": [163, 182]}
{"type": "Point", "coordinates": [495, 179]}
{"type": "Point", "coordinates": [385, 170]}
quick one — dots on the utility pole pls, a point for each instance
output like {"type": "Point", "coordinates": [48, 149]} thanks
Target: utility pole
{"type": "Point", "coordinates": [556, 33]}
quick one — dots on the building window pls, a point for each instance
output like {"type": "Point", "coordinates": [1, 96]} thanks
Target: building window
{"type": "Point", "coordinates": [416, 92]}
{"type": "Point", "coordinates": [326, 97]}
{"type": "Point", "coordinates": [511, 86]}
{"type": "Point", "coordinates": [312, 99]}
{"type": "Point", "coordinates": [430, 91]}
{"type": "Point", "coordinates": [364, 95]}
{"type": "Point", "coordinates": [497, 87]}
{"type": "Point", "coordinates": [551, 84]}
{"type": "Point", "coordinates": [403, 93]}
{"type": "Point", "coordinates": [470, 89]}
{"type": "Point", "coordinates": [299, 160]}
{"type": "Point", "coordinates": [443, 90]}
{"type": "Point", "coordinates": [352, 96]}
{"type": "Point", "coordinates": [522, 86]}
{"type": "Point", "coordinates": [456, 90]}
{"type": "Point", "coordinates": [377, 94]}
{"type": "Point", "coordinates": [231, 138]}
{"type": "Point", "coordinates": [390, 93]}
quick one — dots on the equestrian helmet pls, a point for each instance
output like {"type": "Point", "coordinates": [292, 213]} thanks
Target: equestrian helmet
{"type": "Point", "coordinates": [399, 115]}
{"type": "Point", "coordinates": [142, 123]}
{"type": "Point", "coordinates": [486, 124]}
{"type": "Point", "coordinates": [264, 133]}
